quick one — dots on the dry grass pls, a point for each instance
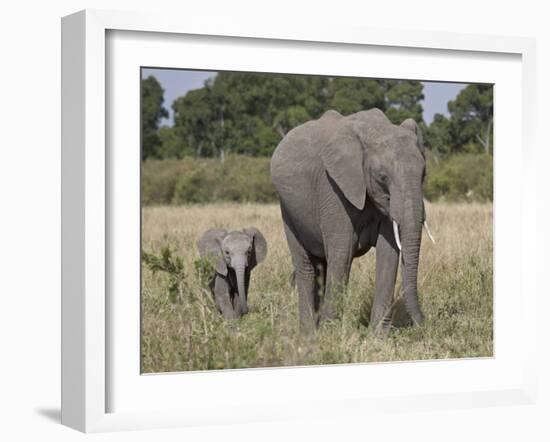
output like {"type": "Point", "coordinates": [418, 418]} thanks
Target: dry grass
{"type": "Point", "coordinates": [455, 285]}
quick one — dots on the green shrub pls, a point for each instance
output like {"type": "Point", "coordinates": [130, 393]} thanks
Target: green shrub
{"type": "Point", "coordinates": [205, 269]}
{"type": "Point", "coordinates": [464, 177]}
{"type": "Point", "coordinates": [237, 179]}
{"type": "Point", "coordinates": [159, 178]}
{"type": "Point", "coordinates": [245, 179]}
{"type": "Point", "coordinates": [172, 265]}
{"type": "Point", "coordinates": [195, 186]}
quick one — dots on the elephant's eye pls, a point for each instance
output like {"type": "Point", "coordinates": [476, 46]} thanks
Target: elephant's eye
{"type": "Point", "coordinates": [383, 183]}
{"type": "Point", "coordinates": [227, 252]}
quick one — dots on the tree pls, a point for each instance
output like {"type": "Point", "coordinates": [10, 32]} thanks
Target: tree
{"type": "Point", "coordinates": [472, 118]}
{"type": "Point", "coordinates": [438, 137]}
{"type": "Point", "coordinates": [399, 99]}
{"type": "Point", "coordinates": [171, 145]}
{"type": "Point", "coordinates": [152, 97]}
{"type": "Point", "coordinates": [249, 113]}
{"type": "Point", "coordinates": [469, 127]}
{"type": "Point", "coordinates": [241, 112]}
{"type": "Point", "coordinates": [193, 114]}
{"type": "Point", "coordinates": [350, 95]}
{"type": "Point", "coordinates": [403, 100]}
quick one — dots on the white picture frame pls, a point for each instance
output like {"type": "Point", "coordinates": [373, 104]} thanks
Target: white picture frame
{"type": "Point", "coordinates": [88, 168]}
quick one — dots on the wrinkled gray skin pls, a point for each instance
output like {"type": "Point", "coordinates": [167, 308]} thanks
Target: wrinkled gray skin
{"type": "Point", "coordinates": [342, 181]}
{"type": "Point", "coordinates": [235, 255]}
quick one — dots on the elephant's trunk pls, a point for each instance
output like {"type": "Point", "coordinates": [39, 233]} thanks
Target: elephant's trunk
{"type": "Point", "coordinates": [240, 269]}
{"type": "Point", "coordinates": [411, 235]}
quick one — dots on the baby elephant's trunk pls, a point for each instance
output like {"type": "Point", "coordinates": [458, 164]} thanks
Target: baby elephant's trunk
{"type": "Point", "coordinates": [240, 269]}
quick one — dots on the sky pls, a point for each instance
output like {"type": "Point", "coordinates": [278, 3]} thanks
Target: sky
{"type": "Point", "coordinates": [176, 82]}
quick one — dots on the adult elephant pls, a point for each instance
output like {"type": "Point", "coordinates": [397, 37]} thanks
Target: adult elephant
{"type": "Point", "coordinates": [347, 184]}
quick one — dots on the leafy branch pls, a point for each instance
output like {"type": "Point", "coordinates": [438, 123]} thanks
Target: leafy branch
{"type": "Point", "coordinates": [170, 264]}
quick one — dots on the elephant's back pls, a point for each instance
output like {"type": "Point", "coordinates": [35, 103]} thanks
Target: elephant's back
{"type": "Point", "coordinates": [296, 157]}
{"type": "Point", "coordinates": [299, 150]}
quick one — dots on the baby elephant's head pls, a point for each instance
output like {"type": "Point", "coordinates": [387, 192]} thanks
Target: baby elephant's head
{"type": "Point", "coordinates": [236, 254]}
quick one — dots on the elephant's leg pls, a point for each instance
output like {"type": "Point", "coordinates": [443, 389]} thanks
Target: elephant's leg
{"type": "Point", "coordinates": [337, 274]}
{"type": "Point", "coordinates": [305, 278]}
{"type": "Point", "coordinates": [222, 298]}
{"type": "Point", "coordinates": [387, 261]}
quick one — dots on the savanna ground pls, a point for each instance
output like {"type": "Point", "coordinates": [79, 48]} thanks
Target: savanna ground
{"type": "Point", "coordinates": [181, 329]}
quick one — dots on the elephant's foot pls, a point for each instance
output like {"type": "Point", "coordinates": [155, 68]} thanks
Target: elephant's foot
{"type": "Point", "coordinates": [381, 325]}
{"type": "Point", "coordinates": [308, 323]}
{"type": "Point", "coordinates": [413, 308]}
{"type": "Point", "coordinates": [307, 330]}
{"type": "Point", "coordinates": [417, 318]}
{"type": "Point", "coordinates": [239, 311]}
{"type": "Point", "coordinates": [231, 316]}
{"type": "Point", "coordinates": [381, 332]}
{"type": "Point", "coordinates": [328, 312]}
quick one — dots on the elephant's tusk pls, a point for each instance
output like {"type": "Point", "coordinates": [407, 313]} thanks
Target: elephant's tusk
{"type": "Point", "coordinates": [428, 231]}
{"type": "Point", "coordinates": [396, 234]}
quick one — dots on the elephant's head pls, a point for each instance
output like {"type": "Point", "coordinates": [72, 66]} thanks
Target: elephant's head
{"type": "Point", "coordinates": [235, 253]}
{"type": "Point", "coordinates": [375, 162]}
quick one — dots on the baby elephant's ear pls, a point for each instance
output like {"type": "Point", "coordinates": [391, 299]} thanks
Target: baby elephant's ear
{"type": "Point", "coordinates": [209, 245]}
{"type": "Point", "coordinates": [260, 245]}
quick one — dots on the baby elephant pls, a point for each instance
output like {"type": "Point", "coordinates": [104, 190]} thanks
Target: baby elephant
{"type": "Point", "coordinates": [235, 254]}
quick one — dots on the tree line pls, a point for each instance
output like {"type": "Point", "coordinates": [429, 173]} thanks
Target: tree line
{"type": "Point", "coordinates": [249, 113]}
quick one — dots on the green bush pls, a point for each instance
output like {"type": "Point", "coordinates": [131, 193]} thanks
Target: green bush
{"type": "Point", "coordinates": [245, 179]}
{"type": "Point", "coordinates": [195, 186]}
{"type": "Point", "coordinates": [463, 177]}
{"type": "Point", "coordinates": [159, 178]}
{"type": "Point", "coordinates": [237, 179]}
{"type": "Point", "coordinates": [172, 265]}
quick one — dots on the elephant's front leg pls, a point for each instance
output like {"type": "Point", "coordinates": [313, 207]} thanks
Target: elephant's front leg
{"type": "Point", "coordinates": [222, 298]}
{"type": "Point", "coordinates": [339, 258]}
{"type": "Point", "coordinates": [387, 262]}
{"type": "Point", "coordinates": [305, 279]}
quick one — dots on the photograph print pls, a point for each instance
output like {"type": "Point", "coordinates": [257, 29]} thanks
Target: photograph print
{"type": "Point", "coordinates": [296, 220]}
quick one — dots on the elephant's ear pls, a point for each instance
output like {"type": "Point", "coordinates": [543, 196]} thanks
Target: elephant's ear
{"type": "Point", "coordinates": [411, 125]}
{"type": "Point", "coordinates": [260, 245]}
{"type": "Point", "coordinates": [209, 245]}
{"type": "Point", "coordinates": [342, 157]}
